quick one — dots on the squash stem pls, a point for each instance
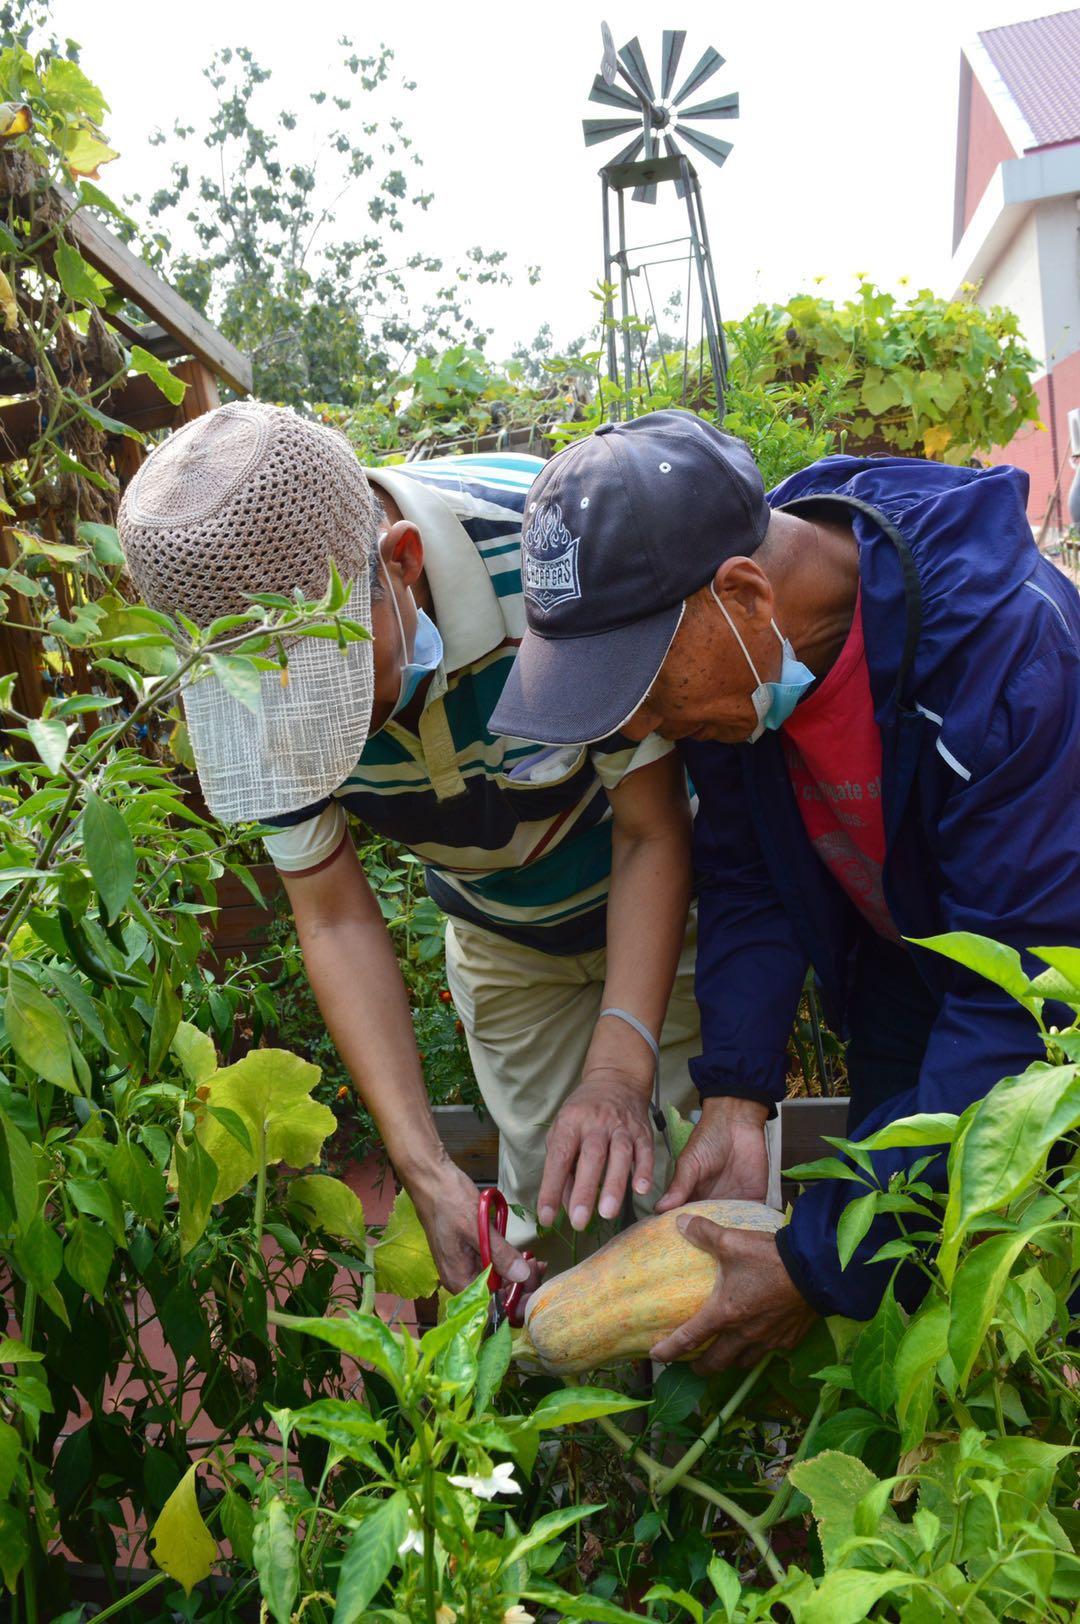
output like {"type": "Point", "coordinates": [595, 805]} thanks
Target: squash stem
{"type": "Point", "coordinates": [653, 1471]}
{"type": "Point", "coordinates": [678, 1472]}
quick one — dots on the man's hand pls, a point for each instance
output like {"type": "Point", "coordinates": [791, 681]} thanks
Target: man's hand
{"type": "Point", "coordinates": [724, 1158]}
{"type": "Point", "coordinates": [600, 1138]}
{"type": "Point", "coordinates": [754, 1306]}
{"type": "Point", "coordinates": [448, 1207]}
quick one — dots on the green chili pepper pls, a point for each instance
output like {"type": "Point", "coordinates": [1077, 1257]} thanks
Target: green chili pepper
{"type": "Point", "coordinates": [87, 960]}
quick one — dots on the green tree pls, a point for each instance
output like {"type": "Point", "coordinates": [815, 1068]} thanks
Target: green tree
{"type": "Point", "coordinates": [252, 230]}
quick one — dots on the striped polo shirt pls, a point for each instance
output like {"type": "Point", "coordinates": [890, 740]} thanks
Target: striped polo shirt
{"type": "Point", "coordinates": [515, 837]}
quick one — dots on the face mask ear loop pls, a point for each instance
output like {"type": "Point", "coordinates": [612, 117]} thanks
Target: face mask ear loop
{"type": "Point", "coordinates": [735, 633]}
{"type": "Point", "coordinates": [397, 611]}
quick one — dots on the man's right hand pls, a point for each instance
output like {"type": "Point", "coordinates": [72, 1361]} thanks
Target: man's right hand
{"type": "Point", "coordinates": [724, 1158]}
{"type": "Point", "coordinates": [448, 1206]}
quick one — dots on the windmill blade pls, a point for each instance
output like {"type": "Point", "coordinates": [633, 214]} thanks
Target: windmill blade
{"type": "Point", "coordinates": [708, 144]}
{"type": "Point", "coordinates": [674, 40]}
{"type": "Point", "coordinates": [634, 67]}
{"type": "Point", "coordinates": [704, 70]}
{"type": "Point", "coordinates": [720, 107]}
{"type": "Point", "coordinates": [609, 62]}
{"type": "Point", "coordinates": [605, 129]}
{"type": "Point", "coordinates": [673, 150]}
{"type": "Point", "coordinates": [613, 95]}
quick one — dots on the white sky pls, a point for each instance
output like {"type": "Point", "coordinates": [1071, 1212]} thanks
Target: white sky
{"type": "Point", "coordinates": [843, 156]}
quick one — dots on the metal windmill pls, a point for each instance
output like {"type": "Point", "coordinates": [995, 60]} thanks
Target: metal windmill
{"type": "Point", "coordinates": [652, 120]}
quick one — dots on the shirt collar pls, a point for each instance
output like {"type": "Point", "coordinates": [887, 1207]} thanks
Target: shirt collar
{"type": "Point", "coordinates": [466, 608]}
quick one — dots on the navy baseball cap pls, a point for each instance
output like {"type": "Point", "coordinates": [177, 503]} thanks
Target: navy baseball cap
{"type": "Point", "coordinates": [619, 530]}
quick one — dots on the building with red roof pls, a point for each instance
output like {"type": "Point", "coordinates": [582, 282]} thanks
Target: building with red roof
{"type": "Point", "coordinates": [1016, 225]}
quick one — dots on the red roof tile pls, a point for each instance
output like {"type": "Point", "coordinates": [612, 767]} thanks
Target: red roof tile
{"type": "Point", "coordinates": [1039, 62]}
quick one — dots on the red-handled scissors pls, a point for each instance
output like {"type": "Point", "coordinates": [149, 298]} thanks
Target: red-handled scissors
{"type": "Point", "coordinates": [493, 1210]}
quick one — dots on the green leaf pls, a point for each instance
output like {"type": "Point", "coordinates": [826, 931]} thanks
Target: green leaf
{"type": "Point", "coordinates": [492, 1364]}
{"type": "Point", "coordinates": [1006, 1142]}
{"type": "Point", "coordinates": [39, 1255]}
{"type": "Point", "coordinates": [922, 1346]}
{"type": "Point", "coordinates": [847, 1595]}
{"type": "Point", "coordinates": [277, 1559]}
{"type": "Point", "coordinates": [50, 740]}
{"type": "Point", "coordinates": [239, 678]}
{"type": "Point", "coordinates": [403, 1261]}
{"type": "Point", "coordinates": [363, 1337]}
{"type": "Point", "coordinates": [873, 1363]}
{"type": "Point", "coordinates": [184, 1548]}
{"type": "Point", "coordinates": [834, 1484]}
{"type": "Point", "coordinates": [75, 276]}
{"type": "Point", "coordinates": [545, 1528]}
{"type": "Point", "coordinates": [101, 420]}
{"type": "Point", "coordinates": [18, 1176]}
{"type": "Point", "coordinates": [586, 1605]}
{"type": "Point", "coordinates": [16, 1544]}
{"type": "Point", "coordinates": [238, 1526]}
{"type": "Point", "coordinates": [992, 960]}
{"type": "Point", "coordinates": [88, 1256]}
{"type": "Point", "coordinates": [677, 1392]}
{"type": "Point", "coordinates": [10, 1445]}
{"type": "Point", "coordinates": [681, 1598]}
{"type": "Point", "coordinates": [270, 1089]}
{"type": "Point", "coordinates": [369, 1557]}
{"type": "Point", "coordinates": [38, 1032]}
{"type": "Point", "coordinates": [346, 1425]}
{"type": "Point", "coordinates": [853, 1223]}
{"type": "Point", "coordinates": [329, 1205]}
{"type": "Point", "coordinates": [166, 1019]}
{"type": "Point", "coordinates": [110, 853]}
{"type": "Point", "coordinates": [14, 1352]}
{"type": "Point", "coordinates": [976, 1292]}
{"type": "Point", "coordinates": [172, 387]}
{"type": "Point", "coordinates": [197, 1177]}
{"type": "Point", "coordinates": [925, 1128]}
{"type": "Point", "coordinates": [572, 1404]}
{"type": "Point", "coordinates": [137, 1181]}
{"type": "Point", "coordinates": [195, 1052]}
{"type": "Point", "coordinates": [727, 1584]}
{"type": "Point", "coordinates": [679, 1130]}
{"type": "Point", "coordinates": [104, 541]}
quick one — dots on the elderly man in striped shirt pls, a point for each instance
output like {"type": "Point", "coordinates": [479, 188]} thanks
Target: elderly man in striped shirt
{"type": "Point", "coordinates": [565, 873]}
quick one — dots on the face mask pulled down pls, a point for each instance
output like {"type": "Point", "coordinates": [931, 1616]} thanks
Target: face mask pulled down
{"type": "Point", "coordinates": [426, 655]}
{"type": "Point", "coordinates": [773, 702]}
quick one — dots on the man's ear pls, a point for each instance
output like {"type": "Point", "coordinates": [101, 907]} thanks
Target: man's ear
{"type": "Point", "coordinates": [745, 591]}
{"type": "Point", "coordinates": [402, 551]}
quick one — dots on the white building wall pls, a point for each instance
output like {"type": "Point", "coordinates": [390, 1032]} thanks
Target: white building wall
{"type": "Point", "coordinates": [1058, 236]}
{"type": "Point", "coordinates": [1015, 281]}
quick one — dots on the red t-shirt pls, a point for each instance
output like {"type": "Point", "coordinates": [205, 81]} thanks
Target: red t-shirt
{"type": "Point", "coordinates": [832, 747]}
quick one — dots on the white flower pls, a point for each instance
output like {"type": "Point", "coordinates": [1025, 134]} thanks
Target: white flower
{"type": "Point", "coordinates": [518, 1615]}
{"type": "Point", "coordinates": [445, 1615]}
{"type": "Point", "coordinates": [501, 1481]}
{"type": "Point", "coordinates": [413, 1541]}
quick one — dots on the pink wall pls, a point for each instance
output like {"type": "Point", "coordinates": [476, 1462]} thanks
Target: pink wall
{"type": "Point", "coordinates": [987, 146]}
{"type": "Point", "coordinates": [1039, 451]}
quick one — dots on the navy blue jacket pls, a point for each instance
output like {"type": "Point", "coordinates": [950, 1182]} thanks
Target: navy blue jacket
{"type": "Point", "coordinates": [973, 650]}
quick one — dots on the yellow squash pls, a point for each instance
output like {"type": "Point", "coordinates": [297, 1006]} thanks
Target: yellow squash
{"type": "Point", "coordinates": [616, 1304]}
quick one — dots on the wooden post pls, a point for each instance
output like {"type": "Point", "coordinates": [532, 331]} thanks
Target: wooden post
{"type": "Point", "coordinates": [201, 394]}
{"type": "Point", "coordinates": [19, 651]}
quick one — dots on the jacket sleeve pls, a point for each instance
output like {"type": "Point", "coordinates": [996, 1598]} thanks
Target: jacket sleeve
{"type": "Point", "coordinates": [750, 969]}
{"type": "Point", "coordinates": [1009, 850]}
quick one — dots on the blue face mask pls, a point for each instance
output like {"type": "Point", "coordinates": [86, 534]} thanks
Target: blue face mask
{"type": "Point", "coordinates": [426, 655]}
{"type": "Point", "coordinates": [773, 701]}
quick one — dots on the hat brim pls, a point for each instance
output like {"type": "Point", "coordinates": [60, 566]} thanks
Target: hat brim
{"type": "Point", "coordinates": [576, 690]}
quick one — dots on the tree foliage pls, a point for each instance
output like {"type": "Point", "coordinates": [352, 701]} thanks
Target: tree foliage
{"type": "Point", "coordinates": [294, 231]}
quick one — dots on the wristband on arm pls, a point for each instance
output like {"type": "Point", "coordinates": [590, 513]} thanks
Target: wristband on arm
{"type": "Point", "coordinates": [643, 1032]}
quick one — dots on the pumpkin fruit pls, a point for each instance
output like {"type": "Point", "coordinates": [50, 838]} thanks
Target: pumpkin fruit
{"type": "Point", "coordinates": [613, 1306]}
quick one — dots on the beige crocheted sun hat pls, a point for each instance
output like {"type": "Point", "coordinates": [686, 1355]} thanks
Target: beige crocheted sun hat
{"type": "Point", "coordinates": [253, 498]}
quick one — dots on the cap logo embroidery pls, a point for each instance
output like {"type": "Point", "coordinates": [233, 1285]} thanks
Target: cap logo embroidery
{"type": "Point", "coordinates": [549, 559]}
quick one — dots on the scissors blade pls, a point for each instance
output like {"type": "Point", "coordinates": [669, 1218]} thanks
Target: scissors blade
{"type": "Point", "coordinates": [496, 1313]}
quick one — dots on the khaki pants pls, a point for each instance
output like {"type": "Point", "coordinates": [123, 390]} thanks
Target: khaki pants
{"type": "Point", "coordinates": [529, 1019]}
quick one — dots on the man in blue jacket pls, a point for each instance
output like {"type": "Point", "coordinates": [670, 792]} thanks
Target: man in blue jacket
{"type": "Point", "coordinates": [875, 679]}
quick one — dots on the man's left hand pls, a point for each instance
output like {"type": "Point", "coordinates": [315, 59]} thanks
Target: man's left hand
{"type": "Point", "coordinates": [754, 1306]}
{"type": "Point", "coordinates": [600, 1139]}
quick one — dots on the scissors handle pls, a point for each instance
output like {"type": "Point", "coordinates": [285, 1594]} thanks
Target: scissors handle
{"type": "Point", "coordinates": [494, 1211]}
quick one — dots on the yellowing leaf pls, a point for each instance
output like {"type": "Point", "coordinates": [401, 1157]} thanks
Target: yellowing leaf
{"type": "Point", "coordinates": [330, 1205]}
{"type": "Point", "coordinates": [86, 152]}
{"type": "Point", "coordinates": [195, 1052]}
{"type": "Point", "coordinates": [15, 119]}
{"type": "Point", "coordinates": [8, 308]}
{"type": "Point", "coordinates": [403, 1260]}
{"type": "Point", "coordinates": [183, 1545]}
{"type": "Point", "coordinates": [270, 1090]}
{"type": "Point", "coordinates": [936, 438]}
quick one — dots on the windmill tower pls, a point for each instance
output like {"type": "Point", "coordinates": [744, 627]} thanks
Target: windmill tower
{"type": "Point", "coordinates": [652, 120]}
